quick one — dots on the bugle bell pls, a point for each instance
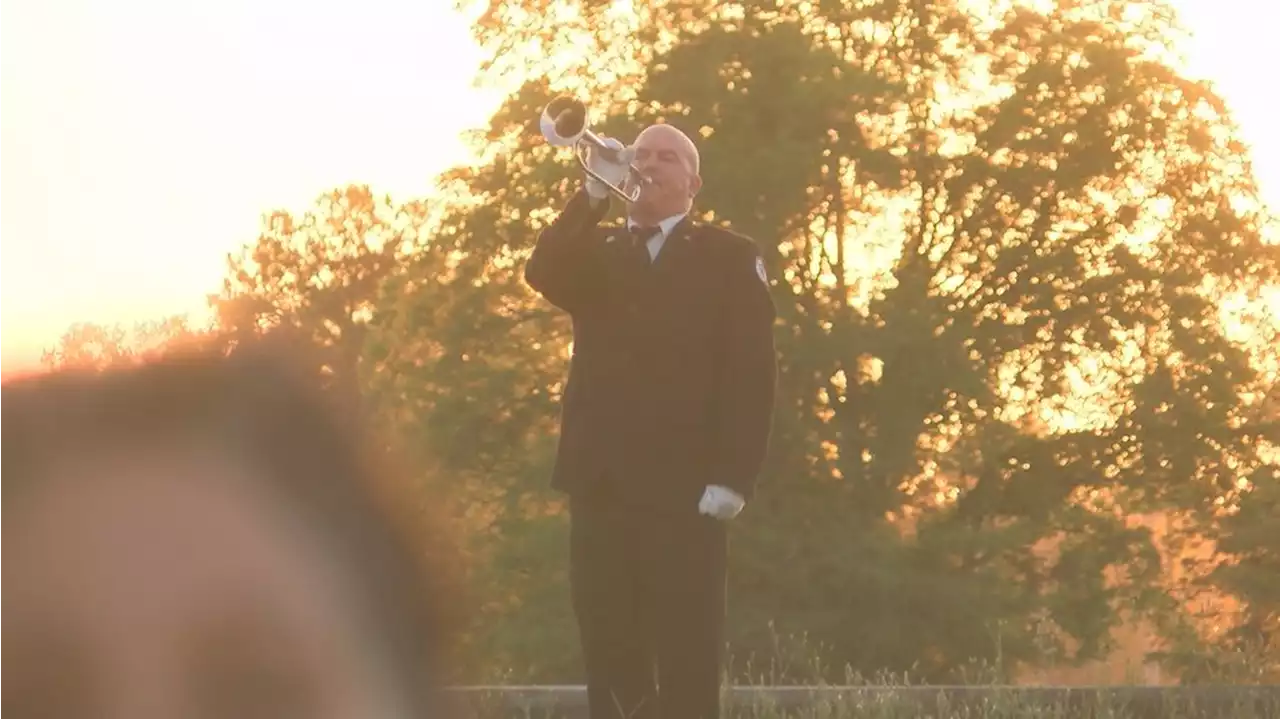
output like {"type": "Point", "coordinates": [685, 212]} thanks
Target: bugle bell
{"type": "Point", "coordinates": [564, 124]}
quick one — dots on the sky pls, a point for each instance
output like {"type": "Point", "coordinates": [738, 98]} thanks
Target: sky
{"type": "Point", "coordinates": [142, 140]}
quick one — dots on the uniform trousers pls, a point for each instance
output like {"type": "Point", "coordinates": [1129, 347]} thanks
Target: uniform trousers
{"type": "Point", "coordinates": [649, 594]}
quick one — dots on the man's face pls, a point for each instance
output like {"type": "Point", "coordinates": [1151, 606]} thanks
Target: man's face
{"type": "Point", "coordinates": [664, 156]}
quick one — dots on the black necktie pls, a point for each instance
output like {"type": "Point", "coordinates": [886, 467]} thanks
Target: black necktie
{"type": "Point", "coordinates": [640, 241]}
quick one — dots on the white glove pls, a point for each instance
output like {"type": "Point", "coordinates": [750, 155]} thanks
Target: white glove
{"type": "Point", "coordinates": [613, 171]}
{"type": "Point", "coordinates": [721, 502]}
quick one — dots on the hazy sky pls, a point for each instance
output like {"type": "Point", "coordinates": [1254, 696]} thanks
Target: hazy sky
{"type": "Point", "coordinates": [143, 139]}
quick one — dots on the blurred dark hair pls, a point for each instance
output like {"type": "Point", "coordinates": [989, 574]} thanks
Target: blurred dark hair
{"type": "Point", "coordinates": [261, 404]}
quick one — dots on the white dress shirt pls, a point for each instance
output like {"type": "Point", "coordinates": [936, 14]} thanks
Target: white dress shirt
{"type": "Point", "coordinates": [655, 243]}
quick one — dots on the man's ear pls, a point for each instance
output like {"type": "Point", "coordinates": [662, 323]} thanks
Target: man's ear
{"type": "Point", "coordinates": [695, 184]}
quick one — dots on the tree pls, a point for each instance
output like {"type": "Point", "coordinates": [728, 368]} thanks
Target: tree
{"type": "Point", "coordinates": [320, 275]}
{"type": "Point", "coordinates": [472, 363]}
{"type": "Point", "coordinates": [999, 242]}
{"type": "Point", "coordinates": [1246, 646]}
{"type": "Point", "coordinates": [95, 346]}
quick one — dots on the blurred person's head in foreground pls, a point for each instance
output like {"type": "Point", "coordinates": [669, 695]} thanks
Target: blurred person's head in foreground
{"type": "Point", "coordinates": [203, 536]}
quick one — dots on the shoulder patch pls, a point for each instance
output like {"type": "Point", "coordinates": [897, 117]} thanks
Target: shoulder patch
{"type": "Point", "coordinates": [764, 277]}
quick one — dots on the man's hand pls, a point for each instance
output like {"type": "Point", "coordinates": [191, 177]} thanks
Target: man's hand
{"type": "Point", "coordinates": [615, 171]}
{"type": "Point", "coordinates": [721, 502]}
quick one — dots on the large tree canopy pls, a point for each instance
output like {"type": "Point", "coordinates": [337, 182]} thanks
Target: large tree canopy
{"type": "Point", "coordinates": [1002, 240]}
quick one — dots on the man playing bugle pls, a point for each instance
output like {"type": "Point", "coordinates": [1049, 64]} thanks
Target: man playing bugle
{"type": "Point", "coordinates": [665, 422]}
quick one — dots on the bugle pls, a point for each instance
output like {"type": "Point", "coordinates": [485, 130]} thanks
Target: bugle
{"type": "Point", "coordinates": [564, 124]}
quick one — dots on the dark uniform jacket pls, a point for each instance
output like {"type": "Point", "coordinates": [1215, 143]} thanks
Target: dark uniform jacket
{"type": "Point", "coordinates": [672, 381]}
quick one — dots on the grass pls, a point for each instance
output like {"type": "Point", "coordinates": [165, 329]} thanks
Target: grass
{"type": "Point", "coordinates": [981, 691]}
{"type": "Point", "coordinates": [921, 702]}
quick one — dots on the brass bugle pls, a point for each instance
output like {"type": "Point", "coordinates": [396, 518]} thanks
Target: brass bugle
{"type": "Point", "coordinates": [564, 124]}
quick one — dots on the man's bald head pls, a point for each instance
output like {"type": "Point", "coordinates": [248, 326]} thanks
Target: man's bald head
{"type": "Point", "coordinates": [670, 160]}
{"type": "Point", "coordinates": [672, 134]}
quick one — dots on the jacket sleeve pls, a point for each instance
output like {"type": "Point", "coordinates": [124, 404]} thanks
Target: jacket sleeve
{"type": "Point", "coordinates": [563, 265]}
{"type": "Point", "coordinates": [748, 379]}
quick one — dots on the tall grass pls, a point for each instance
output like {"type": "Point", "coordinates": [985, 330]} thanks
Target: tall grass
{"type": "Point", "coordinates": [981, 691]}
{"type": "Point", "coordinates": [920, 703]}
